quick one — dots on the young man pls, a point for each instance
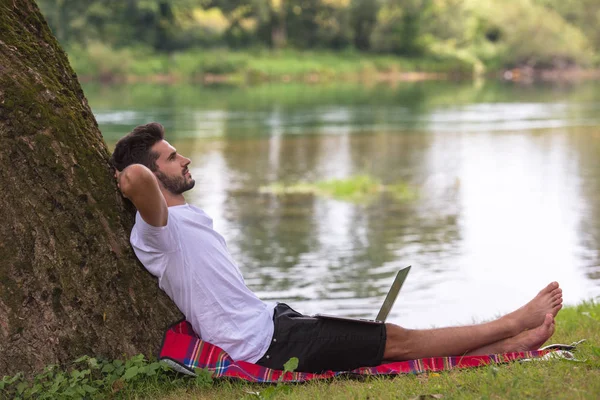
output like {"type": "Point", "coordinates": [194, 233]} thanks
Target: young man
{"type": "Point", "coordinates": [176, 242]}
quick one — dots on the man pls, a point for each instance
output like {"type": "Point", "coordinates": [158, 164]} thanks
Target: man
{"type": "Point", "coordinates": [176, 242]}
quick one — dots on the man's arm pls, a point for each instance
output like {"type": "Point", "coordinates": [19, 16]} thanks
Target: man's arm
{"type": "Point", "coordinates": [139, 184]}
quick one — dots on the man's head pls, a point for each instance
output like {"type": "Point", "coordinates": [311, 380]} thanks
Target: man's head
{"type": "Point", "coordinates": [136, 147]}
{"type": "Point", "coordinates": [146, 145]}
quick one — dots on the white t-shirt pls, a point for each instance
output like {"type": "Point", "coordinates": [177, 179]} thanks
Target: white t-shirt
{"type": "Point", "coordinates": [195, 269]}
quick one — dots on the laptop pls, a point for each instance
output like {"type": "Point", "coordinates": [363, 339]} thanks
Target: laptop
{"type": "Point", "coordinates": [387, 305]}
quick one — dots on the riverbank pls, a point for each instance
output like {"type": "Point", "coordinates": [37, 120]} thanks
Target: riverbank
{"type": "Point", "coordinates": [98, 63]}
{"type": "Point", "coordinates": [138, 378]}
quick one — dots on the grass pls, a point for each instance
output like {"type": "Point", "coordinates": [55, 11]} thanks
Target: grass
{"type": "Point", "coordinates": [357, 189]}
{"type": "Point", "coordinates": [138, 378]}
{"type": "Point", "coordinates": [100, 62]}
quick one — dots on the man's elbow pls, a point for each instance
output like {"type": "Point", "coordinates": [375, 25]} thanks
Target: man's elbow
{"type": "Point", "coordinates": [133, 177]}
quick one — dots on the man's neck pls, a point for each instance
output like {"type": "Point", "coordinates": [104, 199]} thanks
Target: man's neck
{"type": "Point", "coordinates": [173, 199]}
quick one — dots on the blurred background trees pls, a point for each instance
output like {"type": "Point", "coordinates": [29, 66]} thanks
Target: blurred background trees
{"type": "Point", "coordinates": [493, 33]}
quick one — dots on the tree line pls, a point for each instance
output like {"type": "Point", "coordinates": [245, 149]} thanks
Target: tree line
{"type": "Point", "coordinates": [495, 33]}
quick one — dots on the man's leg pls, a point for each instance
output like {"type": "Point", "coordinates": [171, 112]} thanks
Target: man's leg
{"type": "Point", "coordinates": [530, 339]}
{"type": "Point", "coordinates": [501, 334]}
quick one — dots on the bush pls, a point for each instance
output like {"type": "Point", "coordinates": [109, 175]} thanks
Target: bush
{"type": "Point", "coordinates": [219, 62]}
{"type": "Point", "coordinates": [530, 34]}
{"type": "Point", "coordinates": [99, 60]}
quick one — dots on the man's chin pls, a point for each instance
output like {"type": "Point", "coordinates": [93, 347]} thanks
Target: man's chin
{"type": "Point", "coordinates": [190, 185]}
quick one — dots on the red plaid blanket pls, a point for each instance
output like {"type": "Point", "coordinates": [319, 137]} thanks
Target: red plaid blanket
{"type": "Point", "coordinates": [184, 351]}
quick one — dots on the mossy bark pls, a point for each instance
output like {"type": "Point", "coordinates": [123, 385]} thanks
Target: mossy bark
{"type": "Point", "coordinates": [69, 281]}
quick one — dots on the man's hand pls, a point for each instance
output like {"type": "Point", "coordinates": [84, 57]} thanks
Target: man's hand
{"type": "Point", "coordinates": [138, 184]}
{"type": "Point", "coordinates": [131, 178]}
{"type": "Point", "coordinates": [118, 178]}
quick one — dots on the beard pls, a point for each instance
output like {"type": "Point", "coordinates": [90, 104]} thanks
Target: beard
{"type": "Point", "coordinates": [174, 184]}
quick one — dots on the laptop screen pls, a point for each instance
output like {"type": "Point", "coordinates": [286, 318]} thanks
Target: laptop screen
{"type": "Point", "coordinates": [390, 299]}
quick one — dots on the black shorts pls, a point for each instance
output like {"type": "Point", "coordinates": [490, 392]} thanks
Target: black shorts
{"type": "Point", "coordinates": [323, 344]}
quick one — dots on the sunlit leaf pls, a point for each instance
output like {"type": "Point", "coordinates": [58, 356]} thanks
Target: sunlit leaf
{"type": "Point", "coordinates": [130, 373]}
{"type": "Point", "coordinates": [291, 365]}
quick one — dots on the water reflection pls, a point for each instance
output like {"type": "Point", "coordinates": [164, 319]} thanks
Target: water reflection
{"type": "Point", "coordinates": [508, 181]}
{"type": "Point", "coordinates": [587, 146]}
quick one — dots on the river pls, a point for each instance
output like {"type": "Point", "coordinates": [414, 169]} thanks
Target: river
{"type": "Point", "coordinates": [506, 180]}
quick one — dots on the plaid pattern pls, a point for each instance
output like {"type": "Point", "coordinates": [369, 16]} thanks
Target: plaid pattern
{"type": "Point", "coordinates": [184, 351]}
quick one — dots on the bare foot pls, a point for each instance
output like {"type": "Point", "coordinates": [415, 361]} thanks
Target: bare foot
{"type": "Point", "coordinates": [528, 340]}
{"type": "Point", "coordinates": [532, 314]}
{"type": "Point", "coordinates": [532, 339]}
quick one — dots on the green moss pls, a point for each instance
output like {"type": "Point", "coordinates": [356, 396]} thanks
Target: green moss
{"type": "Point", "coordinates": [66, 116]}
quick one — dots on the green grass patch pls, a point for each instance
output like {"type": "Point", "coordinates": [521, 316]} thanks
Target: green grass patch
{"type": "Point", "coordinates": [100, 62]}
{"type": "Point", "coordinates": [356, 189]}
{"type": "Point", "coordinates": [90, 377]}
{"type": "Point", "coordinates": [138, 378]}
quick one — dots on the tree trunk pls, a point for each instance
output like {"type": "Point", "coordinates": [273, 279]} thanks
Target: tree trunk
{"type": "Point", "coordinates": [69, 281]}
{"type": "Point", "coordinates": [278, 30]}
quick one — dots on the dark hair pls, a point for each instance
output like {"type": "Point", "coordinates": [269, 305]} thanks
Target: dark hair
{"type": "Point", "coordinates": [134, 148]}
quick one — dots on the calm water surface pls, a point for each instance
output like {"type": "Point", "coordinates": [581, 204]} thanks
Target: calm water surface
{"type": "Point", "coordinates": [507, 177]}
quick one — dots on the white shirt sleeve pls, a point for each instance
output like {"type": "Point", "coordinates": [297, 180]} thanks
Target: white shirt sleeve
{"type": "Point", "coordinates": [154, 239]}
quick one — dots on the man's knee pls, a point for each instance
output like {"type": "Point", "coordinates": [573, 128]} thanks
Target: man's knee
{"type": "Point", "coordinates": [397, 343]}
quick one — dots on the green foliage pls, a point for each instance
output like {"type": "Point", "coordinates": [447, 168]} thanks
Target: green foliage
{"type": "Point", "coordinates": [529, 34]}
{"type": "Point", "coordinates": [583, 14]}
{"type": "Point", "coordinates": [218, 62]}
{"type": "Point", "coordinates": [90, 377]}
{"type": "Point", "coordinates": [290, 366]}
{"type": "Point", "coordinates": [403, 192]}
{"type": "Point", "coordinates": [400, 26]}
{"type": "Point", "coordinates": [101, 62]}
{"type": "Point", "coordinates": [156, 24]}
{"type": "Point", "coordinates": [272, 391]}
{"type": "Point", "coordinates": [363, 17]}
{"type": "Point", "coordinates": [469, 34]}
{"type": "Point", "coordinates": [357, 189]}
{"type": "Point", "coordinates": [203, 378]}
